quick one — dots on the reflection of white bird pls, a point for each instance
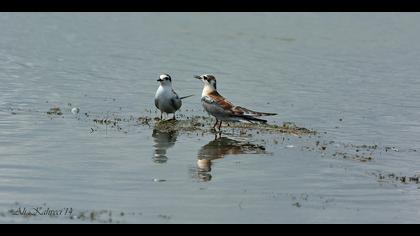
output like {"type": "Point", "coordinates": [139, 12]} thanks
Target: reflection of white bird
{"type": "Point", "coordinates": [163, 141]}
{"type": "Point", "coordinates": [219, 107]}
{"type": "Point", "coordinates": [166, 99]}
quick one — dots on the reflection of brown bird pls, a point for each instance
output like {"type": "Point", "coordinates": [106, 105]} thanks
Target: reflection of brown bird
{"type": "Point", "coordinates": [219, 148]}
{"type": "Point", "coordinates": [223, 146]}
{"type": "Point", "coordinates": [163, 141]}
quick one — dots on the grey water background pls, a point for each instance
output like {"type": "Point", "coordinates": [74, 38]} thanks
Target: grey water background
{"type": "Point", "coordinates": [312, 68]}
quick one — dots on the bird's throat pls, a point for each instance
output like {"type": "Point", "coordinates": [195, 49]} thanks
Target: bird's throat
{"type": "Point", "coordinates": [207, 90]}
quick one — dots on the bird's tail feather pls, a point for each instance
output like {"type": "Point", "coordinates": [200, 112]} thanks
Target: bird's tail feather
{"type": "Point", "coordinates": [187, 96]}
{"type": "Point", "coordinates": [251, 118]}
{"type": "Point", "coordinates": [256, 113]}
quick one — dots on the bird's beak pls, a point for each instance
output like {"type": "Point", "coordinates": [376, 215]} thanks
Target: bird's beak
{"type": "Point", "coordinates": [159, 80]}
{"type": "Point", "coordinates": [197, 77]}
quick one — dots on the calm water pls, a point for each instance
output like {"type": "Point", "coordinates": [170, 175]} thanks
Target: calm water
{"type": "Point", "coordinates": [312, 68]}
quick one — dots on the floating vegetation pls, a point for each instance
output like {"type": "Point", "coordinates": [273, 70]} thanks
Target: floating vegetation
{"type": "Point", "coordinates": [55, 111]}
{"type": "Point", "coordinates": [107, 122]}
{"type": "Point", "coordinates": [391, 177]}
{"type": "Point", "coordinates": [355, 157]}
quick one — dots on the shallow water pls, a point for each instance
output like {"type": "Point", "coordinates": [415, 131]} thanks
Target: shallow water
{"type": "Point", "coordinates": [352, 77]}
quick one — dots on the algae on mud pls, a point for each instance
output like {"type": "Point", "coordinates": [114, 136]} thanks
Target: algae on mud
{"type": "Point", "coordinates": [201, 123]}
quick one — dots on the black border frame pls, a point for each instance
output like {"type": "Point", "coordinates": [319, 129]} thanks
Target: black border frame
{"type": "Point", "coordinates": [209, 5]}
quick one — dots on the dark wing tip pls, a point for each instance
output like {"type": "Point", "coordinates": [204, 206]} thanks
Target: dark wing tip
{"type": "Point", "coordinates": [251, 118]}
{"type": "Point", "coordinates": [255, 113]}
{"type": "Point", "coordinates": [269, 114]}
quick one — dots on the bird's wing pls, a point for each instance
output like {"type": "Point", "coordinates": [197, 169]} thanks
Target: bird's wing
{"type": "Point", "coordinates": [176, 95]}
{"type": "Point", "coordinates": [234, 110]}
{"type": "Point", "coordinates": [254, 113]}
{"type": "Point", "coordinates": [218, 100]}
{"type": "Point", "coordinates": [156, 103]}
{"type": "Point", "coordinates": [176, 101]}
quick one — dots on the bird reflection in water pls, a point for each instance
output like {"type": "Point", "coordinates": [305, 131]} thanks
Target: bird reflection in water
{"type": "Point", "coordinates": [162, 142]}
{"type": "Point", "coordinates": [219, 148]}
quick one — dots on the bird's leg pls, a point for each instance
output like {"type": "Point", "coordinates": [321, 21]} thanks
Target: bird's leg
{"type": "Point", "coordinates": [220, 125]}
{"type": "Point", "coordinates": [214, 126]}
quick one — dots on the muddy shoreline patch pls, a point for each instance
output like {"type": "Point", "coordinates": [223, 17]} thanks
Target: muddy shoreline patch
{"type": "Point", "coordinates": [201, 123]}
{"type": "Point", "coordinates": [198, 124]}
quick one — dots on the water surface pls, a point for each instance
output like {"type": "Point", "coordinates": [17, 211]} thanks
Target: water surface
{"type": "Point", "coordinates": [352, 77]}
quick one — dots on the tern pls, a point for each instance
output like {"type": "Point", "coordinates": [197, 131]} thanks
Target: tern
{"type": "Point", "coordinates": [222, 109]}
{"type": "Point", "coordinates": [166, 99]}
